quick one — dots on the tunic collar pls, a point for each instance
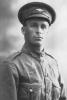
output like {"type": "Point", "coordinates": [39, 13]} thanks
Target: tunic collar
{"type": "Point", "coordinates": [28, 50]}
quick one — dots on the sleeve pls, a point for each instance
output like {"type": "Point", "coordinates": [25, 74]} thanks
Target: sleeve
{"type": "Point", "coordinates": [7, 84]}
{"type": "Point", "coordinates": [62, 93]}
{"type": "Point", "coordinates": [15, 74]}
{"type": "Point", "coordinates": [61, 82]}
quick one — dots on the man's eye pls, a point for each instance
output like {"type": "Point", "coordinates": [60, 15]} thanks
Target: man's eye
{"type": "Point", "coordinates": [43, 26]}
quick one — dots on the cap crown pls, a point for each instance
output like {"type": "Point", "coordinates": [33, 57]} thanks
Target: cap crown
{"type": "Point", "coordinates": [36, 9]}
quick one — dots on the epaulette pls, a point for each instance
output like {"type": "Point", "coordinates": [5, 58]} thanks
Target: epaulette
{"type": "Point", "coordinates": [14, 55]}
{"type": "Point", "coordinates": [51, 58]}
{"type": "Point", "coordinates": [49, 55]}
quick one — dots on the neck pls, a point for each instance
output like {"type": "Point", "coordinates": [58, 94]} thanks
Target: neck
{"type": "Point", "coordinates": [35, 48]}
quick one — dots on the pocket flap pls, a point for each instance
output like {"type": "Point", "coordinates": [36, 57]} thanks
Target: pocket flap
{"type": "Point", "coordinates": [34, 86]}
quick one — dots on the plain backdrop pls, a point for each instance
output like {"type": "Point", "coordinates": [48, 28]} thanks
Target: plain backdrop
{"type": "Point", "coordinates": [11, 38]}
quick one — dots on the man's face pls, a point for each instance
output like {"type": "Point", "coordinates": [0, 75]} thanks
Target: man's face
{"type": "Point", "coordinates": [35, 31]}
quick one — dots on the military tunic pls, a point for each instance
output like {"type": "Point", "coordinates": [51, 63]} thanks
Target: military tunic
{"type": "Point", "coordinates": [36, 77]}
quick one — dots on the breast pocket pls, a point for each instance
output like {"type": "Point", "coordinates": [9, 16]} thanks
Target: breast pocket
{"type": "Point", "coordinates": [29, 91]}
{"type": "Point", "coordinates": [55, 90]}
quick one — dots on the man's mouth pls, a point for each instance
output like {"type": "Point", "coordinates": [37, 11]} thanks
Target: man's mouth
{"type": "Point", "coordinates": [38, 38]}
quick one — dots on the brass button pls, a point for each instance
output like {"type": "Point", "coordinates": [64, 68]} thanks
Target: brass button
{"type": "Point", "coordinates": [31, 90]}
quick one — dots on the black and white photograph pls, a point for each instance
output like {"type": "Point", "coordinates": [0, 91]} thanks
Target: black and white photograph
{"type": "Point", "coordinates": [33, 49]}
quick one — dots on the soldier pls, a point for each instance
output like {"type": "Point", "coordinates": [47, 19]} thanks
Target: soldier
{"type": "Point", "coordinates": [35, 72]}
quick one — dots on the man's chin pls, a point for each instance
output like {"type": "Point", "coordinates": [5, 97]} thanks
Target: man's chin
{"type": "Point", "coordinates": [37, 44]}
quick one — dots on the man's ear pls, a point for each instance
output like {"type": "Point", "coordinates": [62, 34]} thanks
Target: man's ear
{"type": "Point", "coordinates": [23, 30]}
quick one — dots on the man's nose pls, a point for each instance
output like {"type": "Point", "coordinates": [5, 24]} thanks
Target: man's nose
{"type": "Point", "coordinates": [39, 30]}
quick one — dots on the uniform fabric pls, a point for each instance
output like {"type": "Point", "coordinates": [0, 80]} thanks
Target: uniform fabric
{"type": "Point", "coordinates": [36, 77]}
{"type": "Point", "coordinates": [7, 88]}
